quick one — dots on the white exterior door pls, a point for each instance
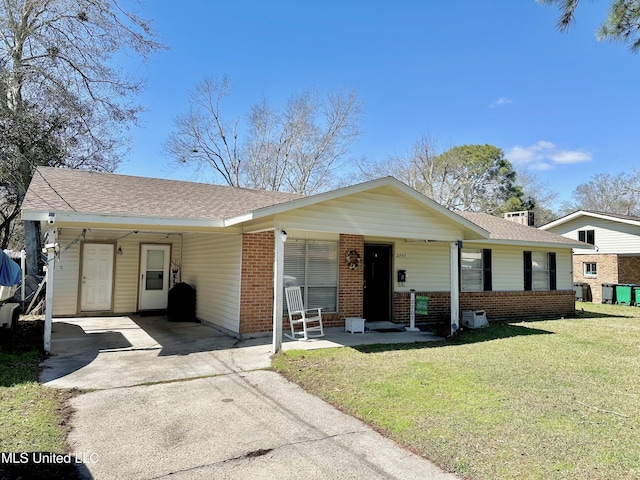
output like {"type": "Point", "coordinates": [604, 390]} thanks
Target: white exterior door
{"type": "Point", "coordinates": [97, 277]}
{"type": "Point", "coordinates": [154, 277]}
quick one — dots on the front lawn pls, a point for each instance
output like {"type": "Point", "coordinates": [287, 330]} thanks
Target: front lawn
{"type": "Point", "coordinates": [32, 417]}
{"type": "Point", "coordinates": [535, 400]}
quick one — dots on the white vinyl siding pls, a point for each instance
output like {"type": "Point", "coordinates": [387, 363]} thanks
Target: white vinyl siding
{"type": "Point", "coordinates": [611, 237]}
{"type": "Point", "coordinates": [66, 275]}
{"type": "Point", "coordinates": [427, 264]}
{"type": "Point", "coordinates": [126, 267]}
{"type": "Point", "coordinates": [211, 264]}
{"type": "Point", "coordinates": [380, 212]}
{"type": "Point", "coordinates": [313, 265]}
{"type": "Point", "coordinates": [507, 266]}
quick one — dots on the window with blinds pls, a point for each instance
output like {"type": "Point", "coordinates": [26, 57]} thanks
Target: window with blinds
{"type": "Point", "coordinates": [313, 265]}
{"type": "Point", "coordinates": [471, 270]}
{"type": "Point", "coordinates": [540, 270]}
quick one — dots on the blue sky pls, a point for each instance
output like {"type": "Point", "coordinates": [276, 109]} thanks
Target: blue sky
{"type": "Point", "coordinates": [562, 105]}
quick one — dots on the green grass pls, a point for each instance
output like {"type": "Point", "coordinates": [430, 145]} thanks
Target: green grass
{"type": "Point", "coordinates": [32, 417]}
{"type": "Point", "coordinates": [535, 400]}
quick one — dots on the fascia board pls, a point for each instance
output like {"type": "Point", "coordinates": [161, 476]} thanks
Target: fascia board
{"type": "Point", "coordinates": [524, 243]}
{"type": "Point", "coordinates": [582, 213]}
{"type": "Point", "coordinates": [86, 218]}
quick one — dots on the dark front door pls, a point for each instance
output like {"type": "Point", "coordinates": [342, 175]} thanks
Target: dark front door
{"type": "Point", "coordinates": [377, 282]}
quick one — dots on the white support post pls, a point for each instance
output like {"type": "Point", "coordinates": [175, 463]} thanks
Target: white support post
{"type": "Point", "coordinates": [455, 295]}
{"type": "Point", "coordinates": [52, 239]}
{"type": "Point", "coordinates": [412, 313]}
{"type": "Point", "coordinates": [23, 267]}
{"type": "Point", "coordinates": [278, 288]}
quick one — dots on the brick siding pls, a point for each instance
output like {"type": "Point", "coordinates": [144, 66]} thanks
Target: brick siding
{"type": "Point", "coordinates": [497, 305]}
{"type": "Point", "coordinates": [611, 269]}
{"type": "Point", "coordinates": [256, 291]}
{"type": "Point", "coordinates": [629, 270]}
{"type": "Point", "coordinates": [256, 294]}
{"type": "Point", "coordinates": [350, 293]}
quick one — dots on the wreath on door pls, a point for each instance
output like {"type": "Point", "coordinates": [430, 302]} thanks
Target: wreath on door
{"type": "Point", "coordinates": [353, 259]}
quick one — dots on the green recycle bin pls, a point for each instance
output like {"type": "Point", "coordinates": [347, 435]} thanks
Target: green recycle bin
{"type": "Point", "coordinates": [623, 294]}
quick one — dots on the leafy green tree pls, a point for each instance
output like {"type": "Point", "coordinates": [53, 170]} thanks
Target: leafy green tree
{"type": "Point", "coordinates": [469, 177]}
{"type": "Point", "coordinates": [622, 22]}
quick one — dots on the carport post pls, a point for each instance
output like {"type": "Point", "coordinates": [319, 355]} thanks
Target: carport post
{"type": "Point", "coordinates": [50, 248]}
{"type": "Point", "coordinates": [278, 286]}
{"type": "Point", "coordinates": [455, 295]}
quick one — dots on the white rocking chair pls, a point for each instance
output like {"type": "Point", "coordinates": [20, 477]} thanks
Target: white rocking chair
{"type": "Point", "coordinates": [299, 316]}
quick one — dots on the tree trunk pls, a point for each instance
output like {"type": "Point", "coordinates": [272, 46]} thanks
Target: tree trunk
{"type": "Point", "coordinates": [33, 246]}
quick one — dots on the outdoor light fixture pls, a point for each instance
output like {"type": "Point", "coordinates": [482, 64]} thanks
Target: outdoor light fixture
{"type": "Point", "coordinates": [283, 235]}
{"type": "Point", "coordinates": [119, 252]}
{"type": "Point", "coordinates": [51, 219]}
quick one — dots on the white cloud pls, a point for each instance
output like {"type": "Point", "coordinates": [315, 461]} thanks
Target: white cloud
{"type": "Point", "coordinates": [544, 155]}
{"type": "Point", "coordinates": [499, 102]}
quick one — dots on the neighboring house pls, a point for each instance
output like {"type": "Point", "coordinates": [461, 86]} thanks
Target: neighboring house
{"type": "Point", "coordinates": [124, 241]}
{"type": "Point", "coordinates": [614, 256]}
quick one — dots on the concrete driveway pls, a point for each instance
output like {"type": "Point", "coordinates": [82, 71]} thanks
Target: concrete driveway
{"type": "Point", "coordinates": [185, 401]}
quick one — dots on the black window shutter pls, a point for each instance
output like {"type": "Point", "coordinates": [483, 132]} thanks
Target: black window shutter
{"type": "Point", "coordinates": [487, 284]}
{"type": "Point", "coordinates": [591, 237]}
{"type": "Point", "coordinates": [582, 236]}
{"type": "Point", "coordinates": [552, 271]}
{"type": "Point", "coordinates": [528, 271]}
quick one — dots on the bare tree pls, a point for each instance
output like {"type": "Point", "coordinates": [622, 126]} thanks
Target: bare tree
{"type": "Point", "coordinates": [543, 198]}
{"type": "Point", "coordinates": [610, 193]}
{"type": "Point", "coordinates": [297, 148]}
{"type": "Point", "coordinates": [201, 136]}
{"type": "Point", "coordinates": [55, 59]}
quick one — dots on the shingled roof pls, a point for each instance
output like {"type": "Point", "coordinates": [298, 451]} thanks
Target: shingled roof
{"type": "Point", "coordinates": [67, 190]}
{"type": "Point", "coordinates": [506, 231]}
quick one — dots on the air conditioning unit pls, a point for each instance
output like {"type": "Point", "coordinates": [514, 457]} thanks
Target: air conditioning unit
{"type": "Point", "coordinates": [474, 319]}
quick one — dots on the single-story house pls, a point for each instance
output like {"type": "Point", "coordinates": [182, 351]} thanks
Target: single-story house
{"type": "Point", "coordinates": [357, 251]}
{"type": "Point", "coordinates": [614, 257]}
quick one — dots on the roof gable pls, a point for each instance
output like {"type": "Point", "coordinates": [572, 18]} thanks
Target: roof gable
{"type": "Point", "coordinates": [614, 217]}
{"type": "Point", "coordinates": [471, 229]}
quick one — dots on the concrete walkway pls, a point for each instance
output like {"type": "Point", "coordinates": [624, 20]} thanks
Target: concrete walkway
{"type": "Point", "coordinates": [216, 413]}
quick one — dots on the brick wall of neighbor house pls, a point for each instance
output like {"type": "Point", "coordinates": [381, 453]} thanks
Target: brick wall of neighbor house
{"type": "Point", "coordinates": [497, 305]}
{"type": "Point", "coordinates": [607, 273]}
{"type": "Point", "coordinates": [256, 292]}
{"type": "Point", "coordinates": [350, 293]}
{"type": "Point", "coordinates": [629, 269]}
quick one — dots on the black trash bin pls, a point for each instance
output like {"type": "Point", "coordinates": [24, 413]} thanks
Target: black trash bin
{"type": "Point", "coordinates": [181, 305]}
